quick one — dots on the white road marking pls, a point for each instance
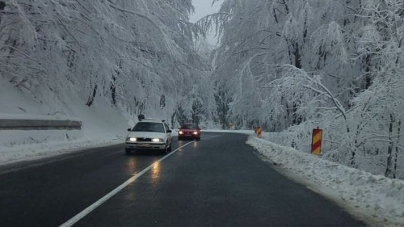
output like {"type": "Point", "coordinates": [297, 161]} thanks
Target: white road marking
{"type": "Point", "coordinates": [93, 206]}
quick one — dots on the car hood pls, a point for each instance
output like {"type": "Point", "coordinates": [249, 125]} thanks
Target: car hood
{"type": "Point", "coordinates": [147, 134]}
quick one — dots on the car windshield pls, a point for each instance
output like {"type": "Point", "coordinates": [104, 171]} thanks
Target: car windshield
{"type": "Point", "coordinates": [148, 127]}
{"type": "Point", "coordinates": [189, 126]}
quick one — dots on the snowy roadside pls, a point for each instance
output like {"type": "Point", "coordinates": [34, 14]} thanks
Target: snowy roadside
{"type": "Point", "coordinates": [375, 199]}
{"type": "Point", "coordinates": [43, 149]}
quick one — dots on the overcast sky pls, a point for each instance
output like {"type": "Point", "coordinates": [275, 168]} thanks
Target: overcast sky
{"type": "Point", "coordinates": [203, 8]}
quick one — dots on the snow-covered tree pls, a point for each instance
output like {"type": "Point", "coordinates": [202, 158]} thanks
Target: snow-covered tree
{"type": "Point", "coordinates": [128, 53]}
{"type": "Point", "coordinates": [292, 65]}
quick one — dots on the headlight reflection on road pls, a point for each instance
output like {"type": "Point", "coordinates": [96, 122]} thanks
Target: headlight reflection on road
{"type": "Point", "coordinates": [130, 196]}
{"type": "Point", "coordinates": [155, 173]}
{"type": "Point", "coordinates": [131, 165]}
{"type": "Point", "coordinates": [180, 150]}
{"type": "Point", "coordinates": [131, 168]}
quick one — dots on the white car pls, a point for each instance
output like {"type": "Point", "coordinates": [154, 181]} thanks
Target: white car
{"type": "Point", "coordinates": [149, 135]}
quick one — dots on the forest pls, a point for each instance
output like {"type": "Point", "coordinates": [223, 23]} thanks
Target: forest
{"type": "Point", "coordinates": [295, 65]}
{"type": "Point", "coordinates": [287, 65]}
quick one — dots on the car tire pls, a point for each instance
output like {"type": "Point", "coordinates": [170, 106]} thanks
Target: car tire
{"type": "Point", "coordinates": [165, 150]}
{"type": "Point", "coordinates": [127, 151]}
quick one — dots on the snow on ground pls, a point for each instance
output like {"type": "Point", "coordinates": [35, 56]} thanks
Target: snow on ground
{"type": "Point", "coordinates": [98, 129]}
{"type": "Point", "coordinates": [101, 124]}
{"type": "Point", "coordinates": [376, 199]}
{"type": "Point", "coordinates": [37, 144]}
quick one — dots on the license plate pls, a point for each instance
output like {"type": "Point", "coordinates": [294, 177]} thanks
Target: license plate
{"type": "Point", "coordinates": [145, 145]}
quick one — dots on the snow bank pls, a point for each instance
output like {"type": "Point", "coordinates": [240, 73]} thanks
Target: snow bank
{"type": "Point", "coordinates": [375, 199]}
{"type": "Point", "coordinates": [24, 145]}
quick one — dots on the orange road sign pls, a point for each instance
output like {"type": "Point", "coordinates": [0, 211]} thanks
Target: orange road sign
{"type": "Point", "coordinates": [316, 142]}
{"type": "Point", "coordinates": [258, 131]}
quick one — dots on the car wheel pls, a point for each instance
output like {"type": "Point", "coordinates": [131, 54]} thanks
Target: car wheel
{"type": "Point", "coordinates": [165, 150]}
{"type": "Point", "coordinates": [127, 151]}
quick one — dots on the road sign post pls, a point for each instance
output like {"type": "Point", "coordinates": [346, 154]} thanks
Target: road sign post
{"type": "Point", "coordinates": [316, 141]}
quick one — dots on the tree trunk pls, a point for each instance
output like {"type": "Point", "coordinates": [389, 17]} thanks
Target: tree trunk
{"type": "Point", "coordinates": [91, 98]}
{"type": "Point", "coordinates": [162, 101]}
{"type": "Point", "coordinates": [397, 149]}
{"type": "Point", "coordinates": [353, 162]}
{"type": "Point", "coordinates": [298, 57]}
{"type": "Point", "coordinates": [388, 172]}
{"type": "Point", "coordinates": [2, 6]}
{"type": "Point", "coordinates": [368, 78]}
{"type": "Point", "coordinates": [113, 90]}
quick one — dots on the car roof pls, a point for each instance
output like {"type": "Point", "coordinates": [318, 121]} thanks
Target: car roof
{"type": "Point", "coordinates": [190, 125]}
{"type": "Point", "coordinates": [152, 120]}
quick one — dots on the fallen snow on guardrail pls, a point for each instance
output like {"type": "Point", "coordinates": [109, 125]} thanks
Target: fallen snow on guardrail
{"type": "Point", "coordinates": [373, 198]}
{"type": "Point", "coordinates": [7, 116]}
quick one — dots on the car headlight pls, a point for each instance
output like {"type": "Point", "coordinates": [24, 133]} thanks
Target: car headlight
{"type": "Point", "coordinates": [195, 133]}
{"type": "Point", "coordinates": [157, 140]}
{"type": "Point", "coordinates": [180, 132]}
{"type": "Point", "coordinates": [131, 139]}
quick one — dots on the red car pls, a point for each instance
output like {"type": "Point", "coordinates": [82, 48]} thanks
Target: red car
{"type": "Point", "coordinates": [189, 131]}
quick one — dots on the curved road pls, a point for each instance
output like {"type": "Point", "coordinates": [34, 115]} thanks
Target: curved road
{"type": "Point", "coordinates": [217, 181]}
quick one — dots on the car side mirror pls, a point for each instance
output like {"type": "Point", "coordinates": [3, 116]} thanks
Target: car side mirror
{"type": "Point", "coordinates": [129, 129]}
{"type": "Point", "coordinates": [169, 131]}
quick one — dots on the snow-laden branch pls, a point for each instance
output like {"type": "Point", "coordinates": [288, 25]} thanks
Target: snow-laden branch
{"type": "Point", "coordinates": [172, 46]}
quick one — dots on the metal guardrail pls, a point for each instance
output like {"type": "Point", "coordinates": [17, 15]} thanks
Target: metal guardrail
{"type": "Point", "coordinates": [34, 124]}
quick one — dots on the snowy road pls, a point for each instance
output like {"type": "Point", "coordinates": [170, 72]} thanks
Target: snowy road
{"type": "Point", "coordinates": [217, 181]}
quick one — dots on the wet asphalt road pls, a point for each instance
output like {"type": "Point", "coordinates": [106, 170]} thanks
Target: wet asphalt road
{"type": "Point", "coordinates": [218, 181]}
